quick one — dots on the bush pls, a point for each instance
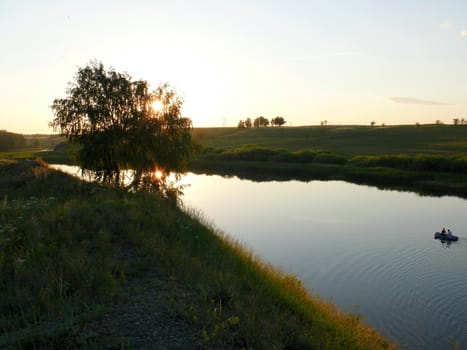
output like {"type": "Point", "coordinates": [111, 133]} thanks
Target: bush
{"type": "Point", "coordinates": [301, 156]}
{"type": "Point", "coordinates": [330, 158]}
{"type": "Point", "coordinates": [255, 153]}
{"type": "Point", "coordinates": [421, 162]}
{"type": "Point", "coordinates": [250, 154]}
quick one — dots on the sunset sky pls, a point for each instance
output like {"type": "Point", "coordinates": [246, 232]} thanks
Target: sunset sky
{"type": "Point", "coordinates": [346, 61]}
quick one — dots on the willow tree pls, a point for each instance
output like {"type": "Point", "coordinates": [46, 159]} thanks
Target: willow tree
{"type": "Point", "coordinates": [119, 130]}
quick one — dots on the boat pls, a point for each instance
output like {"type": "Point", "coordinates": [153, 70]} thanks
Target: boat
{"type": "Point", "coordinates": [439, 235]}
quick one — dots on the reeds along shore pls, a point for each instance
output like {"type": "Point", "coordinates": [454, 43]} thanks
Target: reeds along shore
{"type": "Point", "coordinates": [69, 248]}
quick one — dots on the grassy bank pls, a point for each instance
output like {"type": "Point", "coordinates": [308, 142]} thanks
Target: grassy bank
{"type": "Point", "coordinates": [425, 183]}
{"type": "Point", "coordinates": [70, 249]}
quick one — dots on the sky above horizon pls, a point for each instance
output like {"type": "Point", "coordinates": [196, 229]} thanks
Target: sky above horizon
{"type": "Point", "coordinates": [346, 62]}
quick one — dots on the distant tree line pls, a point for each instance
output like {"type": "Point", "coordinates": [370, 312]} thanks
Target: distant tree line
{"type": "Point", "coordinates": [10, 141]}
{"type": "Point", "coordinates": [459, 121]}
{"type": "Point", "coordinates": [261, 122]}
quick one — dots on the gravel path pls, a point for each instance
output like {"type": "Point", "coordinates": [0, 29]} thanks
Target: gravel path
{"type": "Point", "coordinates": [142, 319]}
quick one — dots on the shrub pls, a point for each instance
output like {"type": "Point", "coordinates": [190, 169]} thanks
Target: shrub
{"type": "Point", "coordinates": [250, 154]}
{"type": "Point", "coordinates": [330, 158]}
{"type": "Point", "coordinates": [421, 162]}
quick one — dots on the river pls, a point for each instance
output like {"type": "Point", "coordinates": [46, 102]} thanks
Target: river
{"type": "Point", "coordinates": [370, 251]}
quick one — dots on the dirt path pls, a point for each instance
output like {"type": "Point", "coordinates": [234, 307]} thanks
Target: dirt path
{"type": "Point", "coordinates": [143, 319]}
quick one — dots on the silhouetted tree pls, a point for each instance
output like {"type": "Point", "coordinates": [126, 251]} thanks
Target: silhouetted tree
{"type": "Point", "coordinates": [372, 124]}
{"type": "Point", "coordinates": [456, 121]}
{"type": "Point", "coordinates": [248, 123]}
{"type": "Point", "coordinates": [261, 122]}
{"type": "Point", "coordinates": [279, 121]}
{"type": "Point", "coordinates": [241, 124]}
{"type": "Point", "coordinates": [113, 119]}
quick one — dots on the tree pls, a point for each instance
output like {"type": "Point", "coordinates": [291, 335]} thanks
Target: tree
{"type": "Point", "coordinates": [10, 141]}
{"type": "Point", "coordinates": [248, 123]}
{"type": "Point", "coordinates": [279, 121]}
{"type": "Point", "coordinates": [260, 121]}
{"type": "Point", "coordinates": [114, 120]}
{"type": "Point", "coordinates": [241, 124]}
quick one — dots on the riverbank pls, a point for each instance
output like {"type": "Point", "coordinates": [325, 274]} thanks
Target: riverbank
{"type": "Point", "coordinates": [422, 182]}
{"type": "Point", "coordinates": [428, 159]}
{"type": "Point", "coordinates": [89, 266]}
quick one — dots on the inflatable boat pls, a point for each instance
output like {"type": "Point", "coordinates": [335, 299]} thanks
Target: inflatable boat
{"type": "Point", "coordinates": [439, 235]}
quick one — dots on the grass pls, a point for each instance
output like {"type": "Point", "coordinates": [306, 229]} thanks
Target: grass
{"type": "Point", "coordinates": [60, 155]}
{"type": "Point", "coordinates": [69, 248]}
{"type": "Point", "coordinates": [345, 140]}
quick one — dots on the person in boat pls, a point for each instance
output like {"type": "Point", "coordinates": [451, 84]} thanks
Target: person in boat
{"type": "Point", "coordinates": [443, 231]}
{"type": "Point", "coordinates": [449, 233]}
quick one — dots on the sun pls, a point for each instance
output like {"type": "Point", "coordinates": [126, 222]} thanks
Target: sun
{"type": "Point", "coordinates": [157, 106]}
{"type": "Point", "coordinates": [158, 174]}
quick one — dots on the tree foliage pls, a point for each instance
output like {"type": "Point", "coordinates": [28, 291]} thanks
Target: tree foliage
{"type": "Point", "coordinates": [261, 122]}
{"type": "Point", "coordinates": [113, 119]}
{"type": "Point", "coordinates": [11, 141]}
{"type": "Point", "coordinates": [245, 124]}
{"type": "Point", "coordinates": [278, 121]}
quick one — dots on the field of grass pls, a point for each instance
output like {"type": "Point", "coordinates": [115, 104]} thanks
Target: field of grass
{"type": "Point", "coordinates": [346, 140]}
{"type": "Point", "coordinates": [68, 249]}
{"type": "Point", "coordinates": [62, 155]}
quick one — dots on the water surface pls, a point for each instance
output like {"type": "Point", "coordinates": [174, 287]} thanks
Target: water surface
{"type": "Point", "coordinates": [368, 250]}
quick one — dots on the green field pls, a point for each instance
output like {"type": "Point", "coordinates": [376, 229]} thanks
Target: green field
{"type": "Point", "coordinates": [346, 140]}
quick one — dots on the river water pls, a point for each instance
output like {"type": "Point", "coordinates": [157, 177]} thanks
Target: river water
{"type": "Point", "coordinates": [369, 251]}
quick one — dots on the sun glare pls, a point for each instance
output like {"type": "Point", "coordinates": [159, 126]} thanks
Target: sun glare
{"type": "Point", "coordinates": [158, 174]}
{"type": "Point", "coordinates": [157, 106]}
